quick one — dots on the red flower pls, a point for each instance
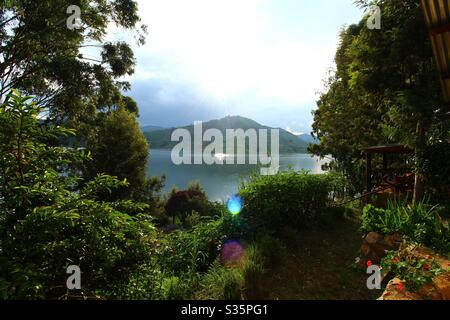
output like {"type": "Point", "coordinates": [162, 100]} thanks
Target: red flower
{"type": "Point", "coordinates": [395, 260]}
{"type": "Point", "coordinates": [369, 264]}
{"type": "Point", "coordinates": [400, 287]}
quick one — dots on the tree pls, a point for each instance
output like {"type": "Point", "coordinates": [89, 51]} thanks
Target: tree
{"type": "Point", "coordinates": [50, 218]}
{"type": "Point", "coordinates": [119, 148]}
{"type": "Point", "coordinates": [347, 119]}
{"type": "Point", "coordinates": [392, 72]}
{"type": "Point", "coordinates": [130, 105]}
{"type": "Point", "coordinates": [41, 56]}
{"type": "Point", "coordinates": [398, 64]}
{"type": "Point", "coordinates": [182, 203]}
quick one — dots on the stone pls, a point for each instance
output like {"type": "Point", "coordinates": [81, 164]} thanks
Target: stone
{"type": "Point", "coordinates": [373, 238]}
{"type": "Point", "coordinates": [394, 241]}
{"type": "Point", "coordinates": [375, 246]}
{"type": "Point", "coordinates": [393, 293]}
{"type": "Point", "coordinates": [442, 286]}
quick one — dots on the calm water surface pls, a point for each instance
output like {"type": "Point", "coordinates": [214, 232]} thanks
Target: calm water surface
{"type": "Point", "coordinates": [220, 182]}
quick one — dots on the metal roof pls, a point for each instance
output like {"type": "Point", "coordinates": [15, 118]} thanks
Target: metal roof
{"type": "Point", "coordinates": [437, 17]}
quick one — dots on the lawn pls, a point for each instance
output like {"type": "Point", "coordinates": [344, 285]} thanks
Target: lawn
{"type": "Point", "coordinates": [319, 266]}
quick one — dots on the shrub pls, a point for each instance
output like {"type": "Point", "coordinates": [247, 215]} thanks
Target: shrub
{"type": "Point", "coordinates": [50, 219]}
{"type": "Point", "coordinates": [107, 244]}
{"type": "Point", "coordinates": [419, 222]}
{"type": "Point", "coordinates": [434, 164]}
{"type": "Point", "coordinates": [119, 148]}
{"type": "Point", "coordinates": [340, 186]}
{"type": "Point", "coordinates": [288, 198]}
{"type": "Point", "coordinates": [415, 271]}
{"type": "Point", "coordinates": [181, 204]}
{"type": "Point", "coordinates": [253, 273]}
{"type": "Point", "coordinates": [272, 249]}
{"type": "Point", "coordinates": [192, 250]}
{"type": "Point", "coordinates": [172, 289]}
{"type": "Point", "coordinates": [221, 283]}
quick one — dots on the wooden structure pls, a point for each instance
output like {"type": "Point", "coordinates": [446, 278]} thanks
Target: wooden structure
{"type": "Point", "coordinates": [388, 180]}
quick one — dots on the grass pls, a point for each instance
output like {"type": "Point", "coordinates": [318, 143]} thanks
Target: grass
{"type": "Point", "coordinates": [319, 266]}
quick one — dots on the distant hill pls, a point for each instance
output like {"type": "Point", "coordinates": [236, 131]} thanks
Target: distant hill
{"type": "Point", "coordinates": [152, 128]}
{"type": "Point", "coordinates": [308, 139]}
{"type": "Point", "coordinates": [289, 143]}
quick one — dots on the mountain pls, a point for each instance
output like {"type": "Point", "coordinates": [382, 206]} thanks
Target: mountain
{"type": "Point", "coordinates": [308, 139]}
{"type": "Point", "coordinates": [151, 128]}
{"type": "Point", "coordinates": [289, 143]}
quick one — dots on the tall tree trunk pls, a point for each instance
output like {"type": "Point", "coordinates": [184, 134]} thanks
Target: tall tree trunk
{"type": "Point", "coordinates": [419, 185]}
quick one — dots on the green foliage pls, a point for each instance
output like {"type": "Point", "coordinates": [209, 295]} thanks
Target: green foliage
{"type": "Point", "coordinates": [272, 249]}
{"type": "Point", "coordinates": [384, 88]}
{"type": "Point", "coordinates": [119, 149]}
{"type": "Point", "coordinates": [171, 289]}
{"type": "Point", "coordinates": [105, 243]}
{"type": "Point", "coordinates": [194, 250]}
{"type": "Point", "coordinates": [415, 271]}
{"type": "Point", "coordinates": [130, 105]}
{"type": "Point", "coordinates": [41, 55]}
{"type": "Point", "coordinates": [419, 222]}
{"type": "Point", "coordinates": [50, 219]}
{"type": "Point", "coordinates": [288, 198]}
{"type": "Point", "coordinates": [434, 164]}
{"type": "Point", "coordinates": [253, 269]}
{"type": "Point", "coordinates": [340, 186]}
{"type": "Point", "coordinates": [188, 203]}
{"type": "Point", "coordinates": [221, 283]}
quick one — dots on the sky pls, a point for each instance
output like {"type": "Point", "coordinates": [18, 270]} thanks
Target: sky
{"type": "Point", "coordinates": [261, 59]}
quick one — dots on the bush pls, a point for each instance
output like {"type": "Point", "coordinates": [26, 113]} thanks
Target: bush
{"type": "Point", "coordinates": [221, 283]}
{"type": "Point", "coordinates": [288, 198]}
{"type": "Point", "coordinates": [193, 250]}
{"type": "Point", "coordinates": [419, 222]}
{"type": "Point", "coordinates": [415, 271]}
{"type": "Point", "coordinates": [181, 204]}
{"type": "Point", "coordinates": [107, 244]}
{"type": "Point", "coordinates": [253, 273]}
{"type": "Point", "coordinates": [272, 249]}
{"type": "Point", "coordinates": [434, 164]}
{"type": "Point", "coordinates": [51, 219]}
{"type": "Point", "coordinates": [172, 289]}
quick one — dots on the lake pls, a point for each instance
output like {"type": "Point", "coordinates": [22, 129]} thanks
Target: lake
{"type": "Point", "coordinates": [220, 182]}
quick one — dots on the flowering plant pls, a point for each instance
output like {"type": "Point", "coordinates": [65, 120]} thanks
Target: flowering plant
{"type": "Point", "coordinates": [415, 271]}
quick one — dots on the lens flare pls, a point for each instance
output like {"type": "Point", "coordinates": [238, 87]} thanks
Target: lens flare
{"type": "Point", "coordinates": [235, 205]}
{"type": "Point", "coordinates": [232, 253]}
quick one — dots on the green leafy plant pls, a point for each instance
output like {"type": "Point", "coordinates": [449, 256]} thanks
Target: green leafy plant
{"type": "Point", "coordinates": [51, 218]}
{"type": "Point", "coordinates": [415, 271]}
{"type": "Point", "coordinates": [419, 222]}
{"type": "Point", "coordinates": [221, 283]}
{"type": "Point", "coordinates": [172, 289]}
{"type": "Point", "coordinates": [193, 250]}
{"type": "Point", "coordinates": [253, 269]}
{"type": "Point", "coordinates": [289, 198]}
{"type": "Point", "coordinates": [272, 249]}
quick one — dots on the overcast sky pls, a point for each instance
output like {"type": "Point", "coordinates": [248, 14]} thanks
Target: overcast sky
{"type": "Point", "coordinates": [262, 59]}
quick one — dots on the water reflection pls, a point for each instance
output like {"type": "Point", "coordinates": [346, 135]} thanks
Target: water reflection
{"type": "Point", "coordinates": [220, 181]}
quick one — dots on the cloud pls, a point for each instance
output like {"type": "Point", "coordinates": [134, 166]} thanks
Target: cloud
{"type": "Point", "coordinates": [264, 59]}
{"type": "Point", "coordinates": [169, 104]}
